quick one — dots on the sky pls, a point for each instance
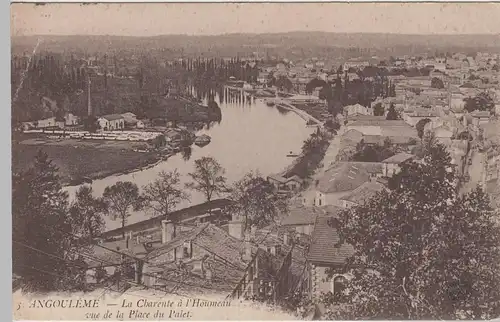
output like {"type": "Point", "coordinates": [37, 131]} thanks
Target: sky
{"type": "Point", "coordinates": [149, 19]}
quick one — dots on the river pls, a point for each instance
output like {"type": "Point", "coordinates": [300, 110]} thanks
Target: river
{"type": "Point", "coordinates": [251, 136]}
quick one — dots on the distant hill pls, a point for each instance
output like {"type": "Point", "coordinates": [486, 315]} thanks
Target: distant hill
{"type": "Point", "coordinates": [278, 42]}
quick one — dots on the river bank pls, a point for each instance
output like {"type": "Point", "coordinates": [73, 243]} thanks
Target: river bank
{"type": "Point", "coordinates": [80, 162]}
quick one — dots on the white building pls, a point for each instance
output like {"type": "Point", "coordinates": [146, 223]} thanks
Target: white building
{"type": "Point", "coordinates": [111, 122]}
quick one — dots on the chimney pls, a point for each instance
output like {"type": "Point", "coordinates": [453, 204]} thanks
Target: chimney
{"type": "Point", "coordinates": [235, 227]}
{"type": "Point", "coordinates": [208, 274]}
{"type": "Point", "coordinates": [138, 265]}
{"type": "Point", "coordinates": [286, 238]}
{"type": "Point", "coordinates": [167, 231]}
{"type": "Point", "coordinates": [89, 102]}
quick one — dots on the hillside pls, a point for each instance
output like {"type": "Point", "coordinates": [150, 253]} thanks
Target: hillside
{"type": "Point", "coordinates": [228, 44]}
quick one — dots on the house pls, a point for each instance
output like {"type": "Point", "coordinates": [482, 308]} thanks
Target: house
{"type": "Point", "coordinates": [111, 122]}
{"type": "Point", "coordinates": [413, 116]}
{"type": "Point", "coordinates": [48, 122]}
{"type": "Point", "coordinates": [343, 178]}
{"type": "Point", "coordinates": [292, 183]}
{"type": "Point", "coordinates": [382, 127]}
{"type": "Point", "coordinates": [444, 134]}
{"type": "Point", "coordinates": [71, 120]}
{"type": "Point", "coordinates": [362, 194]}
{"type": "Point", "coordinates": [263, 78]}
{"type": "Point", "coordinates": [327, 253]}
{"type": "Point", "coordinates": [132, 121]}
{"type": "Point", "coordinates": [395, 140]}
{"type": "Point", "coordinates": [480, 117]}
{"type": "Point", "coordinates": [206, 259]}
{"type": "Point", "coordinates": [302, 219]}
{"type": "Point", "coordinates": [60, 122]}
{"type": "Point", "coordinates": [391, 165]}
{"type": "Point", "coordinates": [357, 109]}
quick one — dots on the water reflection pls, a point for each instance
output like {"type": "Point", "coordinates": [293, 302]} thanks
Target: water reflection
{"type": "Point", "coordinates": [186, 153]}
{"type": "Point", "coordinates": [249, 136]}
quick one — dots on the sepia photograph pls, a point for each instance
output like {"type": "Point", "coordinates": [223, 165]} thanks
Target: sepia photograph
{"type": "Point", "coordinates": [255, 161]}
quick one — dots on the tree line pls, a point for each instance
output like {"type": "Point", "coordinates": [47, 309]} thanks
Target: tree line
{"type": "Point", "coordinates": [45, 220]}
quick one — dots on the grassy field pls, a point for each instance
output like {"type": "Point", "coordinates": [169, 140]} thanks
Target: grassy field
{"type": "Point", "coordinates": [77, 159]}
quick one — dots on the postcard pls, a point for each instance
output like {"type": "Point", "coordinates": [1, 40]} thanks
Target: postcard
{"type": "Point", "coordinates": [255, 161]}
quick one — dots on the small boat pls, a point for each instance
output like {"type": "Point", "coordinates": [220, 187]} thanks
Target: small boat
{"type": "Point", "coordinates": [292, 155]}
{"type": "Point", "coordinates": [270, 103]}
{"type": "Point", "coordinates": [202, 140]}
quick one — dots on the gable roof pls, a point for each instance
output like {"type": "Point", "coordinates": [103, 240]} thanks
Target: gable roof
{"type": "Point", "coordinates": [399, 158]}
{"type": "Point", "coordinates": [364, 192]}
{"type": "Point", "coordinates": [344, 176]}
{"type": "Point", "coordinates": [112, 117]}
{"type": "Point", "coordinates": [324, 246]}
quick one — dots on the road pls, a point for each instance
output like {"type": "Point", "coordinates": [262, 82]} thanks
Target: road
{"type": "Point", "coordinates": [475, 171]}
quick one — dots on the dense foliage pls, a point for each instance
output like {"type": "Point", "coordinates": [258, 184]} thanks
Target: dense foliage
{"type": "Point", "coordinates": [374, 152]}
{"type": "Point", "coordinates": [422, 250]}
{"type": "Point", "coordinates": [43, 233]}
{"type": "Point", "coordinates": [481, 102]}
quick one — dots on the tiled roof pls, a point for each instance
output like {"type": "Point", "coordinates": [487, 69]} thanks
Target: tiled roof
{"type": "Point", "coordinates": [399, 158]}
{"type": "Point", "coordinates": [364, 192]}
{"type": "Point", "coordinates": [343, 176]}
{"type": "Point", "coordinates": [324, 245]}
{"type": "Point", "coordinates": [307, 215]}
{"type": "Point", "coordinates": [223, 256]}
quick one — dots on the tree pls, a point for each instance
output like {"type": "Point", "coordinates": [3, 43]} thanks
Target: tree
{"type": "Point", "coordinates": [257, 201]}
{"type": "Point", "coordinates": [392, 114]}
{"type": "Point", "coordinates": [208, 178]}
{"type": "Point", "coordinates": [90, 124]}
{"type": "Point", "coordinates": [164, 194]}
{"type": "Point", "coordinates": [437, 83]}
{"type": "Point", "coordinates": [87, 213]}
{"type": "Point", "coordinates": [373, 153]}
{"type": "Point", "coordinates": [378, 109]}
{"type": "Point", "coordinates": [420, 126]}
{"type": "Point", "coordinates": [283, 83]}
{"type": "Point", "coordinates": [481, 102]}
{"type": "Point", "coordinates": [422, 250]}
{"type": "Point", "coordinates": [41, 226]}
{"type": "Point", "coordinates": [120, 198]}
